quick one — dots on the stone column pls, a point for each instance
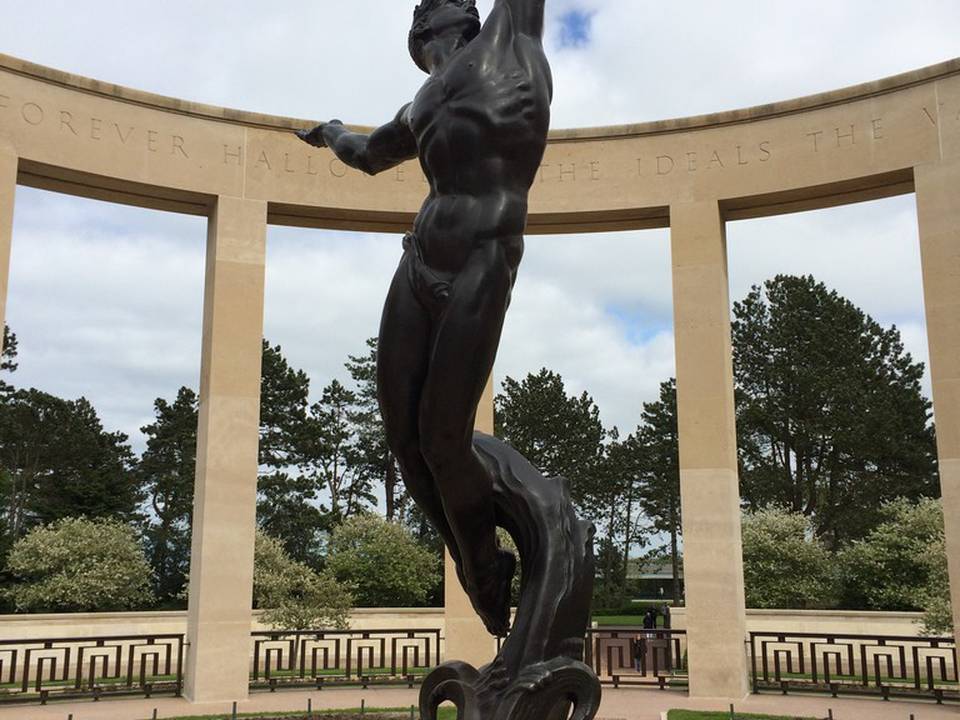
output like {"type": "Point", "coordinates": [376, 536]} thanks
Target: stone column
{"type": "Point", "coordinates": [465, 637]}
{"type": "Point", "coordinates": [224, 509]}
{"type": "Point", "coordinates": [8, 189]}
{"type": "Point", "coordinates": [938, 212]}
{"type": "Point", "coordinates": [712, 551]}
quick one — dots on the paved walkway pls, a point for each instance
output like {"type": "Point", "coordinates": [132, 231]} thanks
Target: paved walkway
{"type": "Point", "coordinates": [617, 705]}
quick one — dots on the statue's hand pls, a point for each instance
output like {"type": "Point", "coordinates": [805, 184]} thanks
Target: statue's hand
{"type": "Point", "coordinates": [315, 137]}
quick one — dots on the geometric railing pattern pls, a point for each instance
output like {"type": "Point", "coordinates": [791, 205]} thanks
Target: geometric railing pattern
{"type": "Point", "coordinates": [38, 670]}
{"type": "Point", "coordinates": [630, 656]}
{"type": "Point", "coordinates": [885, 666]}
{"type": "Point", "coordinates": [316, 658]}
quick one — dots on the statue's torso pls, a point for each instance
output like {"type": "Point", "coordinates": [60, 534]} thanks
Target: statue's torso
{"type": "Point", "coordinates": [481, 125]}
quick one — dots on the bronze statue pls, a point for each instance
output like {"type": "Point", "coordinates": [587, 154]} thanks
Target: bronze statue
{"type": "Point", "coordinates": [479, 128]}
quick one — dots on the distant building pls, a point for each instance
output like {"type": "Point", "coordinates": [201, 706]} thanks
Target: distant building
{"type": "Point", "coordinates": [653, 580]}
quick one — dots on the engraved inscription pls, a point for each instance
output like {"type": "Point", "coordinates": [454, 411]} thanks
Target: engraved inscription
{"type": "Point", "coordinates": [713, 159]}
{"type": "Point", "coordinates": [97, 129]}
{"type": "Point", "coordinates": [844, 137]}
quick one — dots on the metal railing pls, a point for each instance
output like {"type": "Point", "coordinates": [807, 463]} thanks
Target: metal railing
{"type": "Point", "coordinates": [316, 658]}
{"type": "Point", "coordinates": [631, 656]}
{"type": "Point", "coordinates": [885, 666]}
{"type": "Point", "coordinates": [53, 668]}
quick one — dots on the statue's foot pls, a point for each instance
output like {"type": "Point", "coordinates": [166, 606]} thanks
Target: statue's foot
{"type": "Point", "coordinates": [491, 597]}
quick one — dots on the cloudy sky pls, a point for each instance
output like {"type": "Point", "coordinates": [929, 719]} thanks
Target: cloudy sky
{"type": "Point", "coordinates": [106, 300]}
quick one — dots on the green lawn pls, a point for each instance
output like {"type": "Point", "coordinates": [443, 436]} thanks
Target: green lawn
{"type": "Point", "coordinates": [724, 715]}
{"type": "Point", "coordinates": [446, 713]}
{"type": "Point", "coordinates": [623, 620]}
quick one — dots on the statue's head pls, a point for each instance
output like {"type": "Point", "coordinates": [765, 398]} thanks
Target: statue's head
{"type": "Point", "coordinates": [436, 18]}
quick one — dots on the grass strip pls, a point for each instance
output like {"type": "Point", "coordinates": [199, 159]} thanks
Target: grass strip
{"type": "Point", "coordinates": [446, 713]}
{"type": "Point", "coordinates": [725, 715]}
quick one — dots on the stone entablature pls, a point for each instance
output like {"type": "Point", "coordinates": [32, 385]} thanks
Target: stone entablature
{"type": "Point", "coordinates": [83, 136]}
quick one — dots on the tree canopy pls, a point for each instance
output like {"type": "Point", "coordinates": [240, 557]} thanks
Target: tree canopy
{"type": "Point", "coordinates": [79, 565]}
{"type": "Point", "coordinates": [830, 415]}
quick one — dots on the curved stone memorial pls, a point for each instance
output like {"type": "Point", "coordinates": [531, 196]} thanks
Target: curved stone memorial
{"type": "Point", "coordinates": [243, 171]}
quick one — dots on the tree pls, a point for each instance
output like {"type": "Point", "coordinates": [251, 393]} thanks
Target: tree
{"type": "Point", "coordinates": [167, 469]}
{"type": "Point", "coordinates": [562, 436]}
{"type": "Point", "coordinates": [784, 565]}
{"type": "Point", "coordinates": [331, 456]}
{"type": "Point", "coordinates": [8, 356]}
{"type": "Point", "coordinates": [935, 597]}
{"type": "Point", "coordinates": [287, 510]}
{"type": "Point", "coordinates": [292, 595]}
{"type": "Point", "coordinates": [613, 501]}
{"type": "Point", "coordinates": [373, 453]}
{"type": "Point", "coordinates": [283, 409]}
{"type": "Point", "coordinates": [830, 415]}
{"type": "Point", "coordinates": [659, 491]}
{"type": "Point", "coordinates": [890, 569]}
{"type": "Point", "coordinates": [287, 500]}
{"type": "Point", "coordinates": [79, 565]}
{"type": "Point", "coordinates": [382, 562]}
{"type": "Point", "coordinates": [60, 462]}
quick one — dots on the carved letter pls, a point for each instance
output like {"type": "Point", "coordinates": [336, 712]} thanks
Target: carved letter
{"type": "Point", "coordinates": [264, 160]}
{"type": "Point", "coordinates": [715, 160]}
{"type": "Point", "coordinates": [4, 101]}
{"type": "Point", "coordinates": [570, 172]}
{"type": "Point", "coordinates": [765, 149]}
{"type": "Point", "coordinates": [640, 167]}
{"type": "Point", "coordinates": [594, 169]}
{"type": "Point", "coordinates": [662, 167]}
{"type": "Point", "coordinates": [878, 129]}
{"type": "Point", "coordinates": [36, 114]}
{"type": "Point", "coordinates": [65, 122]}
{"type": "Point", "coordinates": [227, 154]}
{"type": "Point", "coordinates": [740, 160]}
{"type": "Point", "coordinates": [816, 139]}
{"type": "Point", "coordinates": [178, 145]}
{"type": "Point", "coordinates": [930, 117]}
{"type": "Point", "coordinates": [96, 128]}
{"type": "Point", "coordinates": [152, 137]}
{"type": "Point", "coordinates": [333, 172]}
{"type": "Point", "coordinates": [543, 176]}
{"type": "Point", "coordinates": [310, 170]}
{"type": "Point", "coordinates": [691, 162]}
{"type": "Point", "coordinates": [399, 175]}
{"type": "Point", "coordinates": [851, 135]}
{"type": "Point", "coordinates": [286, 163]}
{"type": "Point", "coordinates": [124, 138]}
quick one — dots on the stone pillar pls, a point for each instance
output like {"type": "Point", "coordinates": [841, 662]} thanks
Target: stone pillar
{"type": "Point", "coordinates": [710, 493]}
{"type": "Point", "coordinates": [465, 637]}
{"type": "Point", "coordinates": [8, 190]}
{"type": "Point", "coordinates": [938, 212]}
{"type": "Point", "coordinates": [224, 509]}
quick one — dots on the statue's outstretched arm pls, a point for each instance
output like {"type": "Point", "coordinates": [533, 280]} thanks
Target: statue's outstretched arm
{"type": "Point", "coordinates": [527, 15]}
{"type": "Point", "coordinates": [386, 147]}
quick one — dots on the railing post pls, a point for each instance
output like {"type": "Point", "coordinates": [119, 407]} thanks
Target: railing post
{"type": "Point", "coordinates": [709, 487]}
{"type": "Point", "coordinates": [8, 190]}
{"type": "Point", "coordinates": [938, 213]}
{"type": "Point", "coordinates": [224, 514]}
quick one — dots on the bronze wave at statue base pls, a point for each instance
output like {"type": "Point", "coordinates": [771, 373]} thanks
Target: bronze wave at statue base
{"type": "Point", "coordinates": [538, 673]}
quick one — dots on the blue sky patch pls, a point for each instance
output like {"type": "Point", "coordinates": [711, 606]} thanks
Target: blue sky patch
{"type": "Point", "coordinates": [575, 28]}
{"type": "Point", "coordinates": [638, 327]}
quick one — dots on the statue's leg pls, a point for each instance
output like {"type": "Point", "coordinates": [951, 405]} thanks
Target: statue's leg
{"type": "Point", "coordinates": [402, 356]}
{"type": "Point", "coordinates": [464, 349]}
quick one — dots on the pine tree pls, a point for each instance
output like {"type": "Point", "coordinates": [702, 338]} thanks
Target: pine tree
{"type": "Point", "coordinates": [657, 445]}
{"type": "Point", "coordinates": [372, 449]}
{"type": "Point", "coordinates": [830, 416]}
{"type": "Point", "coordinates": [167, 469]}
